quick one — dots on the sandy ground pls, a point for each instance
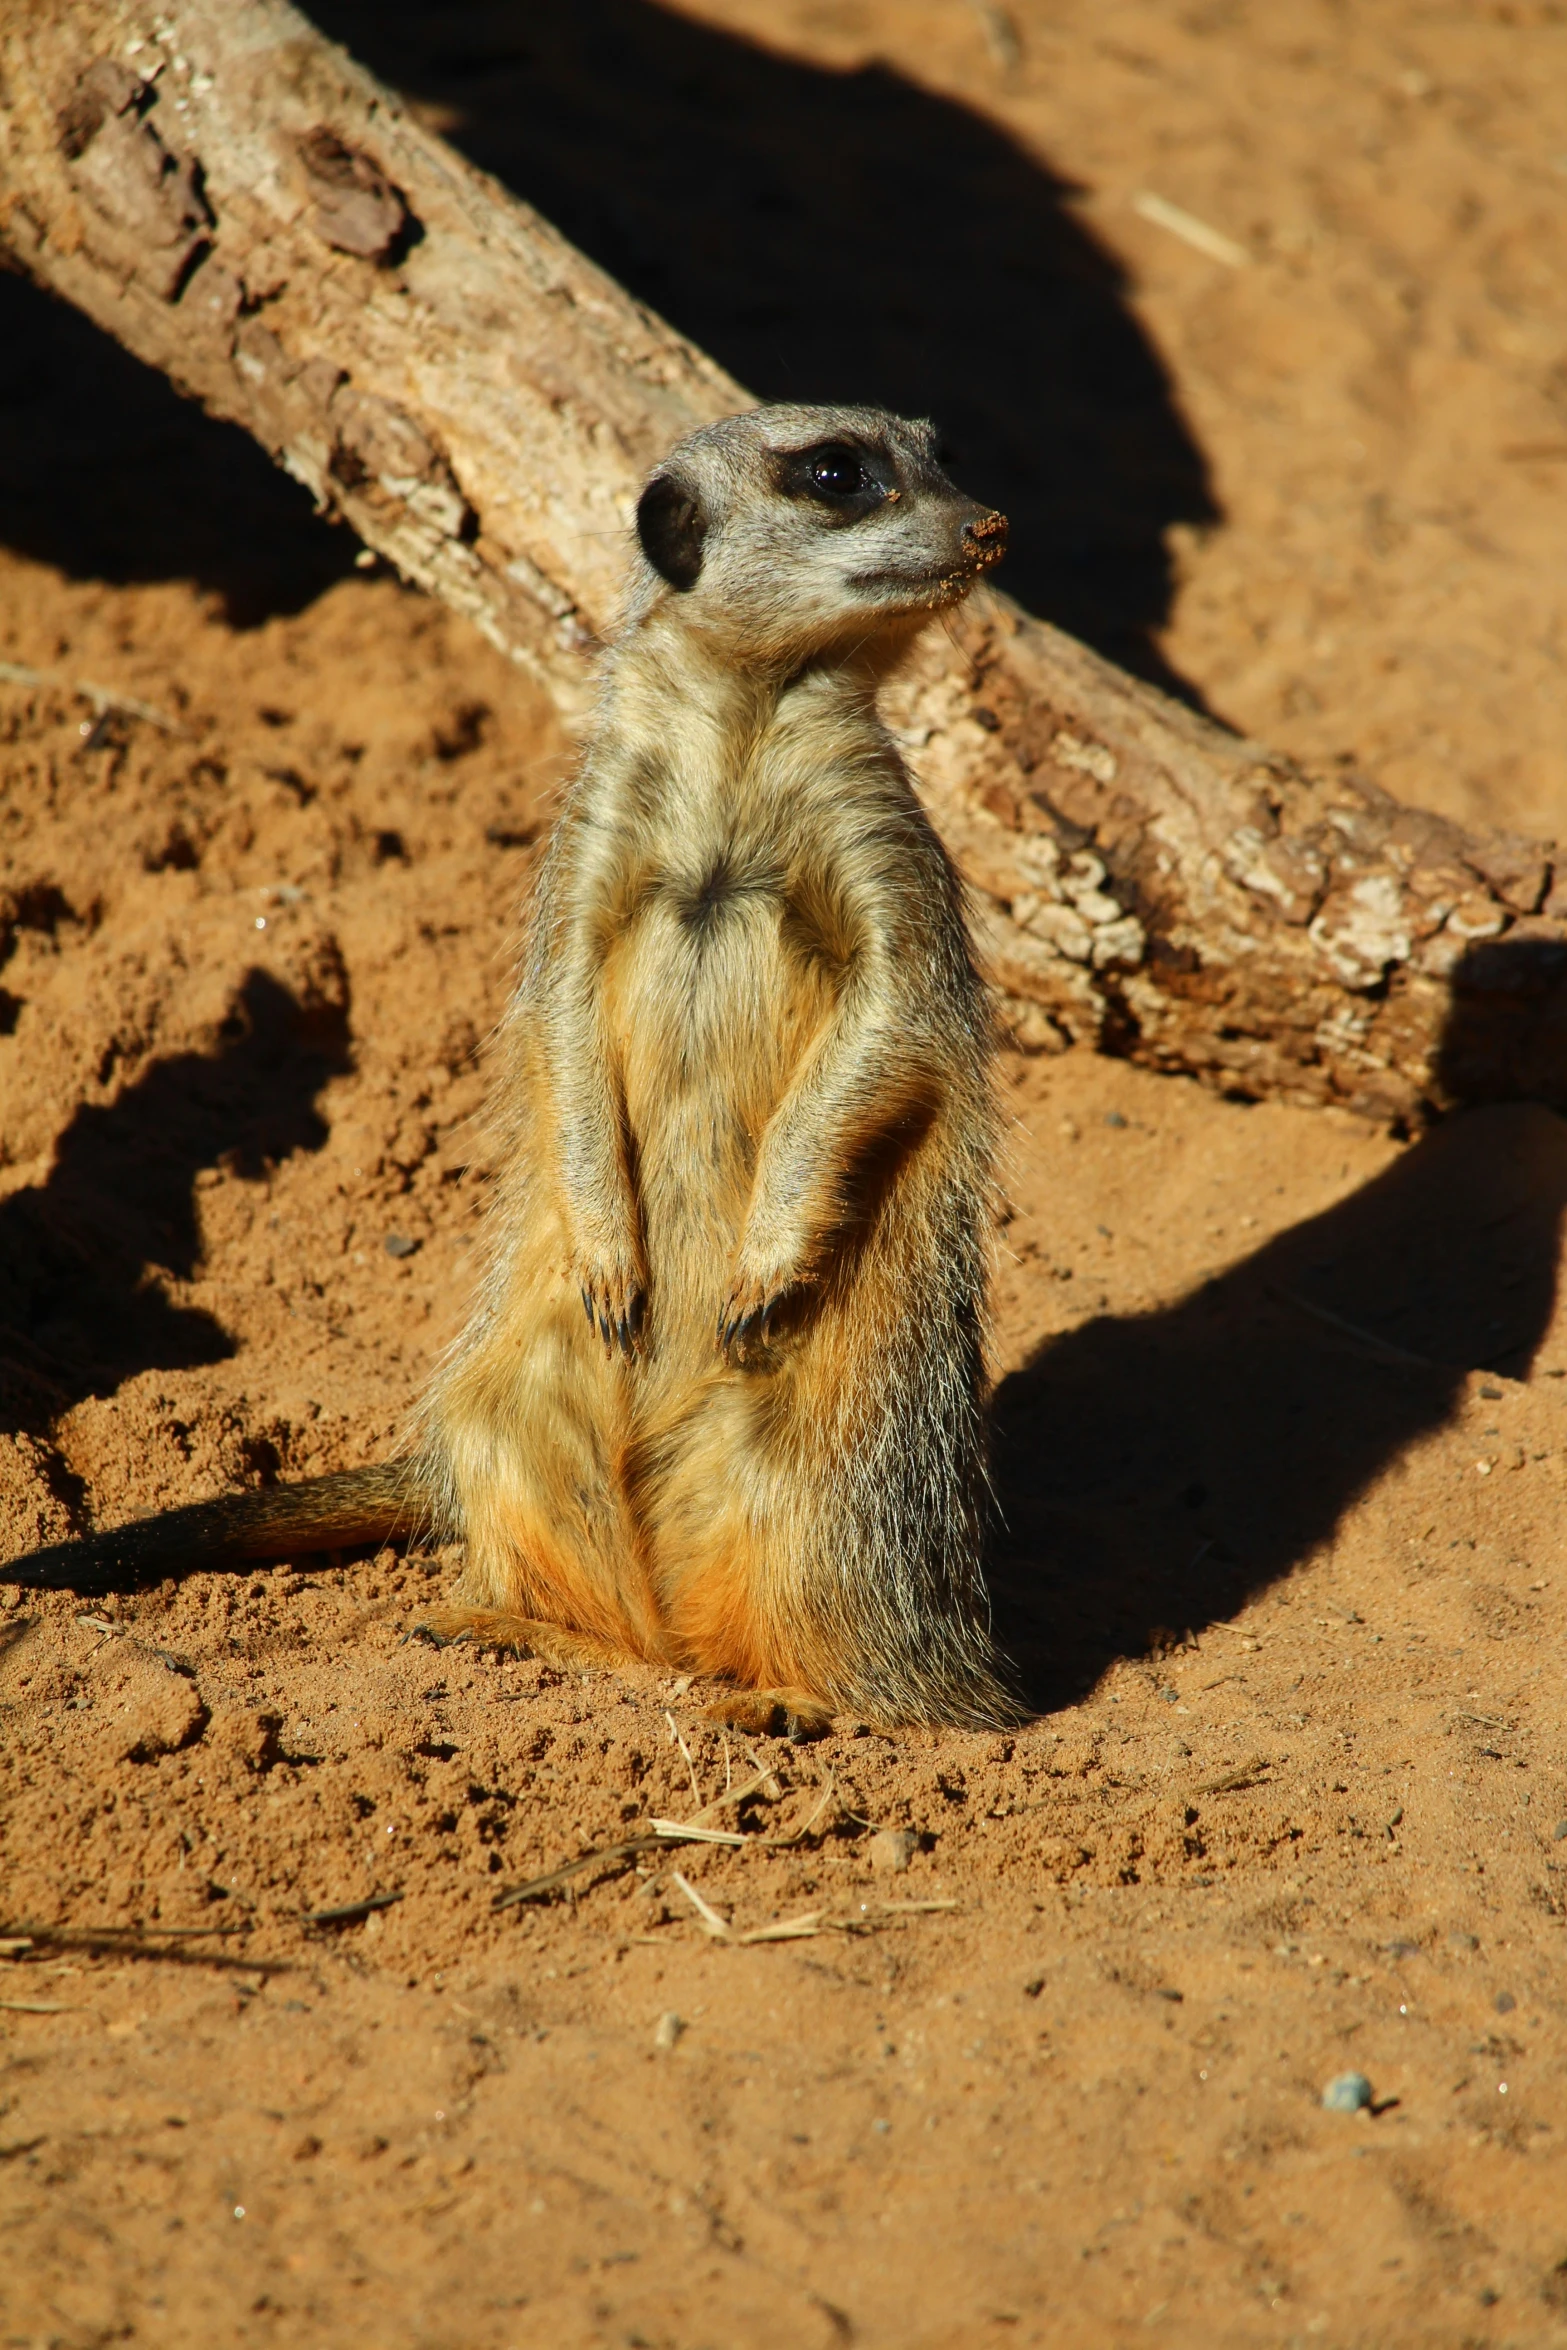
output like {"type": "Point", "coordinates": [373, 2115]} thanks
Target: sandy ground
{"type": "Point", "coordinates": [1281, 1407]}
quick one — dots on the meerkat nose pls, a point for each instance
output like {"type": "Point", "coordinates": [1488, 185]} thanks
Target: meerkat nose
{"type": "Point", "coordinates": [985, 538]}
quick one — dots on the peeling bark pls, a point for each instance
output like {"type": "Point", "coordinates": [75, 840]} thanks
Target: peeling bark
{"type": "Point", "coordinates": [245, 208]}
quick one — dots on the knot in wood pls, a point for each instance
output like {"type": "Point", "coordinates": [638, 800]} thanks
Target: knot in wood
{"type": "Point", "coordinates": [357, 208]}
{"type": "Point", "coordinates": [152, 214]}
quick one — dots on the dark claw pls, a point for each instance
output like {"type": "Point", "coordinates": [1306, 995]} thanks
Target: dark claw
{"type": "Point", "coordinates": [604, 1326]}
{"type": "Point", "coordinates": [436, 1638]}
{"type": "Point", "coordinates": [635, 1316]}
{"type": "Point", "coordinates": [587, 1307]}
{"type": "Point", "coordinates": [623, 1337]}
{"type": "Point", "coordinates": [741, 1327]}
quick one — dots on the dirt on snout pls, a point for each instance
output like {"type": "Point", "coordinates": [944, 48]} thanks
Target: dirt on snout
{"type": "Point", "coordinates": [956, 2039]}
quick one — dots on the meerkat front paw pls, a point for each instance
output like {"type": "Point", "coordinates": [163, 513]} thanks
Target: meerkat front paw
{"type": "Point", "coordinates": [773, 1713]}
{"type": "Point", "coordinates": [745, 1314]}
{"type": "Point", "coordinates": [614, 1298]}
{"type": "Point", "coordinates": [755, 1296]}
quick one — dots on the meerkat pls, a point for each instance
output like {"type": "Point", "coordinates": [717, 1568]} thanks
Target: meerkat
{"type": "Point", "coordinates": [719, 1405]}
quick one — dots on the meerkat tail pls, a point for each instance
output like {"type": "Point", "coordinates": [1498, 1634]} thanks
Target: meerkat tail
{"type": "Point", "coordinates": [338, 1512]}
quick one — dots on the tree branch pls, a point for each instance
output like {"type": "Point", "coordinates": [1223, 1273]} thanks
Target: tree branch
{"type": "Point", "coordinates": [248, 210]}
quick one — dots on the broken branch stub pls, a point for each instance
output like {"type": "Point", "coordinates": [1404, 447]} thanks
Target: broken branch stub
{"type": "Point", "coordinates": [248, 210]}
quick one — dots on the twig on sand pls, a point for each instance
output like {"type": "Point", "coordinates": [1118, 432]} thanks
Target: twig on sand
{"type": "Point", "coordinates": [697, 1832]}
{"type": "Point", "coordinates": [871, 1916]}
{"type": "Point", "coordinates": [348, 1913]}
{"type": "Point", "coordinates": [603, 1855]}
{"type": "Point", "coordinates": [712, 1923]}
{"type": "Point", "coordinates": [105, 699]}
{"type": "Point", "coordinates": [161, 1942]}
{"type": "Point", "coordinates": [1191, 231]}
{"type": "Point", "coordinates": [694, 1831]}
{"type": "Point", "coordinates": [83, 1937]}
{"type": "Point", "coordinates": [674, 1732]}
{"type": "Point", "coordinates": [1385, 1346]}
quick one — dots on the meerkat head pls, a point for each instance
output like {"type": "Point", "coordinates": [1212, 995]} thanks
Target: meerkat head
{"type": "Point", "coordinates": [784, 533]}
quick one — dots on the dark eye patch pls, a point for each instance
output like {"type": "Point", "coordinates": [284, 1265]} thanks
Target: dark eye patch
{"type": "Point", "coordinates": [845, 478]}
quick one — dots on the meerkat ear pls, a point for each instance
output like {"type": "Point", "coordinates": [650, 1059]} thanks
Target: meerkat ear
{"type": "Point", "coordinates": [672, 528]}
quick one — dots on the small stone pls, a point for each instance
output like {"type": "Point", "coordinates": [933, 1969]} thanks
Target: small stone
{"type": "Point", "coordinates": [1171, 1696]}
{"type": "Point", "coordinates": [1350, 2093]}
{"type": "Point", "coordinates": [398, 1244]}
{"type": "Point", "coordinates": [1559, 1832]}
{"type": "Point", "coordinates": [1114, 1118]}
{"type": "Point", "coordinates": [1403, 1950]}
{"type": "Point", "coordinates": [1504, 2003]}
{"type": "Point", "coordinates": [1459, 1944]}
{"type": "Point", "coordinates": [892, 1849]}
{"type": "Point", "coordinates": [667, 2031]}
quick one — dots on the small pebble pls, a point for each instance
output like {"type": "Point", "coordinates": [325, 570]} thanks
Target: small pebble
{"type": "Point", "coordinates": [1559, 1832]}
{"type": "Point", "coordinates": [1462, 1942]}
{"type": "Point", "coordinates": [398, 1244]}
{"type": "Point", "coordinates": [1171, 1696]}
{"type": "Point", "coordinates": [1114, 1118]}
{"type": "Point", "coordinates": [1403, 1950]}
{"type": "Point", "coordinates": [892, 1849]}
{"type": "Point", "coordinates": [1350, 2093]}
{"type": "Point", "coordinates": [1504, 2003]}
{"type": "Point", "coordinates": [667, 2031]}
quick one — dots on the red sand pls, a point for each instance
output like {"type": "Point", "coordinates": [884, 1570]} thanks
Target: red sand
{"type": "Point", "coordinates": [1282, 1435]}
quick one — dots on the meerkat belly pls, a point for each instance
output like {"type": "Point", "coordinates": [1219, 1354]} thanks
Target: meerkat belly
{"type": "Point", "coordinates": [712, 1007]}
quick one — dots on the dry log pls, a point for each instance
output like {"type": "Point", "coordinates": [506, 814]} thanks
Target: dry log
{"type": "Point", "coordinates": [246, 209]}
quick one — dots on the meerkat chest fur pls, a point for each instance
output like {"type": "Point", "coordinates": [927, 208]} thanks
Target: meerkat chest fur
{"type": "Point", "coordinates": [754, 833]}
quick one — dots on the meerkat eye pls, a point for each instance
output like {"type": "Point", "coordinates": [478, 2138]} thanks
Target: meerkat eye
{"type": "Point", "coordinates": [847, 481]}
{"type": "Point", "coordinates": [838, 473]}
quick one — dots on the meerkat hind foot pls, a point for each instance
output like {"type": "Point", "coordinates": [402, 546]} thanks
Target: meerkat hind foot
{"type": "Point", "coordinates": [552, 1644]}
{"type": "Point", "coordinates": [772, 1713]}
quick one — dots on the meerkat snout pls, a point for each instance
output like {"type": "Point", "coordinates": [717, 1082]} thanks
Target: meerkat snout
{"type": "Point", "coordinates": [787, 529]}
{"type": "Point", "coordinates": [986, 536]}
